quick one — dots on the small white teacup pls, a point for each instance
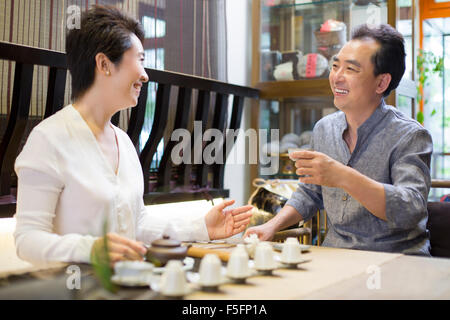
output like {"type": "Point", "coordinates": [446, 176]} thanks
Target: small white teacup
{"type": "Point", "coordinates": [291, 252]}
{"type": "Point", "coordinates": [173, 281]}
{"type": "Point", "coordinates": [292, 240]}
{"type": "Point", "coordinates": [210, 271]}
{"type": "Point", "coordinates": [264, 258]}
{"type": "Point", "coordinates": [237, 267]}
{"type": "Point", "coordinates": [291, 151]}
{"type": "Point", "coordinates": [252, 242]}
{"type": "Point", "coordinates": [133, 269]}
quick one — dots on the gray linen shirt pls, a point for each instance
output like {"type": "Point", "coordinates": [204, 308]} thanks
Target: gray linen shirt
{"type": "Point", "coordinates": [391, 149]}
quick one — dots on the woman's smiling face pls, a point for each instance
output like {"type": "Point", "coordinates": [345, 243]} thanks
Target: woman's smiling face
{"type": "Point", "coordinates": [129, 75]}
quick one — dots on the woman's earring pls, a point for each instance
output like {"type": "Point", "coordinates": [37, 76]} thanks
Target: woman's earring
{"type": "Point", "coordinates": [108, 73]}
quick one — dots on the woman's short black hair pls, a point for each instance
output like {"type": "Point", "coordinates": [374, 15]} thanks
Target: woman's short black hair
{"type": "Point", "coordinates": [103, 29]}
{"type": "Point", "coordinates": [390, 58]}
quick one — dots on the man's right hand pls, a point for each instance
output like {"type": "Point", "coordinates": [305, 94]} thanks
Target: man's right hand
{"type": "Point", "coordinates": [264, 232]}
{"type": "Point", "coordinates": [284, 218]}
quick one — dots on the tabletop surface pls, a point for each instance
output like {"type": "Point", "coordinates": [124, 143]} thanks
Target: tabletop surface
{"type": "Point", "coordinates": [330, 273]}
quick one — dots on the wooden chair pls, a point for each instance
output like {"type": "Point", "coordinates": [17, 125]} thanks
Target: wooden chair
{"type": "Point", "coordinates": [167, 182]}
{"type": "Point", "coordinates": [313, 229]}
{"type": "Point", "coordinates": [439, 223]}
{"type": "Point", "coordinates": [303, 234]}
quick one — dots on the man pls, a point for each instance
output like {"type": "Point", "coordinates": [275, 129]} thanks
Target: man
{"type": "Point", "coordinates": [370, 166]}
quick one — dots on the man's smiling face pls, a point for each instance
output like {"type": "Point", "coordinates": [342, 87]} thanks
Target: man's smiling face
{"type": "Point", "coordinates": [352, 78]}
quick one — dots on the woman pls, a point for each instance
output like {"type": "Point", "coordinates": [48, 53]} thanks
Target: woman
{"type": "Point", "coordinates": [77, 170]}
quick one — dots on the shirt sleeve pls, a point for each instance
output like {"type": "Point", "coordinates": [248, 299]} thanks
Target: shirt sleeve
{"type": "Point", "coordinates": [307, 199]}
{"type": "Point", "coordinates": [406, 197]}
{"type": "Point", "coordinates": [39, 188]}
{"type": "Point", "coordinates": [152, 225]}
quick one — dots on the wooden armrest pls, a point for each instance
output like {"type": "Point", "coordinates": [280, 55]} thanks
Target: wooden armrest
{"type": "Point", "coordinates": [296, 233]}
{"type": "Point", "coordinates": [440, 183]}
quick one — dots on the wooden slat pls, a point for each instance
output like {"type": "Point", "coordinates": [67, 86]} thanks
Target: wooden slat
{"type": "Point", "coordinates": [236, 116]}
{"type": "Point", "coordinates": [55, 91]}
{"type": "Point", "coordinates": [137, 117]}
{"type": "Point", "coordinates": [159, 124]}
{"type": "Point", "coordinates": [192, 82]}
{"type": "Point", "coordinates": [202, 113]}
{"type": "Point", "coordinates": [7, 210]}
{"type": "Point", "coordinates": [12, 138]}
{"type": "Point", "coordinates": [235, 122]}
{"type": "Point", "coordinates": [115, 119]}
{"type": "Point", "coordinates": [30, 55]}
{"type": "Point", "coordinates": [185, 169]}
{"type": "Point", "coordinates": [219, 122]}
{"type": "Point", "coordinates": [181, 121]}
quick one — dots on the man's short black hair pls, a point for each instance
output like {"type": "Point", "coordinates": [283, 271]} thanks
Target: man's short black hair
{"type": "Point", "coordinates": [103, 29]}
{"type": "Point", "coordinates": [390, 58]}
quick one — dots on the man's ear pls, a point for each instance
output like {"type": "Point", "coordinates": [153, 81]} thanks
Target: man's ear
{"type": "Point", "coordinates": [384, 80]}
{"type": "Point", "coordinates": [102, 64]}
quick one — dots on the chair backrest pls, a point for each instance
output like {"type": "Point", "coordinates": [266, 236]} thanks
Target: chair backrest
{"type": "Point", "coordinates": [439, 227]}
{"type": "Point", "coordinates": [167, 182]}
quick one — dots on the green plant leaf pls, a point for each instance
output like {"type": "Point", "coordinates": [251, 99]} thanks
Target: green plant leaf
{"type": "Point", "coordinates": [420, 117]}
{"type": "Point", "coordinates": [102, 264]}
{"type": "Point", "coordinates": [427, 64]}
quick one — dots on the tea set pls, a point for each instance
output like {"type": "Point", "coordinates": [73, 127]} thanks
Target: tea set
{"type": "Point", "coordinates": [167, 268]}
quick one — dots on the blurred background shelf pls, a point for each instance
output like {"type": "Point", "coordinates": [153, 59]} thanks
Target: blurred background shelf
{"type": "Point", "coordinates": [279, 90]}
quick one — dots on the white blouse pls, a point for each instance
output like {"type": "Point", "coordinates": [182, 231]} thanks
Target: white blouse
{"type": "Point", "coordinates": [68, 192]}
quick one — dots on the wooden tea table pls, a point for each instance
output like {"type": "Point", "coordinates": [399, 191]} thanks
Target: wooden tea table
{"type": "Point", "coordinates": [330, 274]}
{"type": "Point", "coordinates": [335, 273]}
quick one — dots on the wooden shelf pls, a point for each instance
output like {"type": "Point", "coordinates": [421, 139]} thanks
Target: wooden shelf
{"type": "Point", "coordinates": [277, 90]}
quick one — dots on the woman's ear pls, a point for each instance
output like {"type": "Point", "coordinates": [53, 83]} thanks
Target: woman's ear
{"type": "Point", "coordinates": [384, 80]}
{"type": "Point", "coordinates": [102, 64]}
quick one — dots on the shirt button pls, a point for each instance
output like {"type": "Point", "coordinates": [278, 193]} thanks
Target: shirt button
{"type": "Point", "coordinates": [344, 198]}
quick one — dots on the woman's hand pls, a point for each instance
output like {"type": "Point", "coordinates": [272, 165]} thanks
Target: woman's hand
{"type": "Point", "coordinates": [226, 223]}
{"type": "Point", "coordinates": [119, 248]}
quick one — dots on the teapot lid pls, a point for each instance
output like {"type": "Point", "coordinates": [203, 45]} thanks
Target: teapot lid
{"type": "Point", "coordinates": [166, 242]}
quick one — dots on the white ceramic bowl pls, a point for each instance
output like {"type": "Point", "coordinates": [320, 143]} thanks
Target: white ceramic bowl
{"type": "Point", "coordinates": [133, 269]}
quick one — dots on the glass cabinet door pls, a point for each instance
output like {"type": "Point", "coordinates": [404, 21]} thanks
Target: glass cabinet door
{"type": "Point", "coordinates": [299, 37]}
{"type": "Point", "coordinates": [407, 91]}
{"type": "Point", "coordinates": [294, 120]}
